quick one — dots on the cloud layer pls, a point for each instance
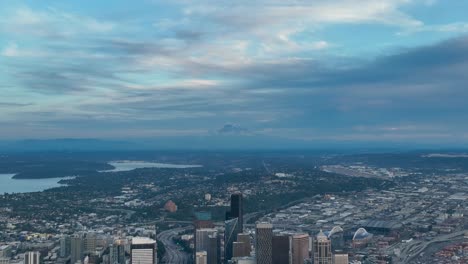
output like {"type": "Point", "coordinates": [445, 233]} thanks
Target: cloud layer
{"type": "Point", "coordinates": [286, 69]}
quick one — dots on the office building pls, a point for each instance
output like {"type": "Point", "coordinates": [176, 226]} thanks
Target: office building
{"type": "Point", "coordinates": [336, 237]}
{"type": "Point", "coordinates": [202, 238]}
{"type": "Point", "coordinates": [264, 238]}
{"type": "Point", "coordinates": [90, 241]}
{"type": "Point", "coordinates": [340, 258]}
{"type": "Point", "coordinates": [77, 248]}
{"type": "Point", "coordinates": [237, 210]}
{"type": "Point", "coordinates": [65, 246]}
{"type": "Point", "coordinates": [239, 250]}
{"type": "Point", "coordinates": [4, 261]}
{"type": "Point", "coordinates": [143, 251]}
{"type": "Point", "coordinates": [281, 249]}
{"type": "Point", "coordinates": [231, 229]}
{"type": "Point", "coordinates": [117, 252]}
{"type": "Point", "coordinates": [245, 239]}
{"type": "Point", "coordinates": [214, 249]}
{"type": "Point", "coordinates": [234, 224]}
{"type": "Point", "coordinates": [299, 248]}
{"type": "Point", "coordinates": [201, 257]}
{"type": "Point", "coordinates": [322, 249]}
{"type": "Point", "coordinates": [32, 257]}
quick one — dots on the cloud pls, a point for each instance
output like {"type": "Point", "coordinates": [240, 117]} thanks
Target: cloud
{"type": "Point", "coordinates": [268, 65]}
{"type": "Point", "coordinates": [232, 129]}
{"type": "Point", "coordinates": [51, 23]}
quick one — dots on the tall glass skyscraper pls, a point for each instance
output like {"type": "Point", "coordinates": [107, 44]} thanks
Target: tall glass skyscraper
{"type": "Point", "coordinates": [234, 224]}
{"type": "Point", "coordinates": [264, 238]}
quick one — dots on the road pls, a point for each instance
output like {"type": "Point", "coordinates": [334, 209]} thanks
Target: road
{"type": "Point", "coordinates": [174, 253]}
{"type": "Point", "coordinates": [412, 250]}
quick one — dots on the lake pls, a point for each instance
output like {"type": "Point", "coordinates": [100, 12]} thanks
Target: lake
{"type": "Point", "coordinates": [127, 165]}
{"type": "Point", "coordinates": [10, 185]}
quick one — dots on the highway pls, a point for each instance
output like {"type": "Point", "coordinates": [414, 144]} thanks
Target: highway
{"type": "Point", "coordinates": [174, 253]}
{"type": "Point", "coordinates": [412, 250]}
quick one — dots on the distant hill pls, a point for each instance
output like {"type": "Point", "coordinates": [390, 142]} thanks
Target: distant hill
{"type": "Point", "coordinates": [237, 141]}
{"type": "Point", "coordinates": [64, 145]}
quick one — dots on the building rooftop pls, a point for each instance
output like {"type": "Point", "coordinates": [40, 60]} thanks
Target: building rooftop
{"type": "Point", "coordinates": [142, 241]}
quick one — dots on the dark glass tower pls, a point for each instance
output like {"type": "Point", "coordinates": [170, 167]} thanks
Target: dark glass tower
{"type": "Point", "coordinates": [237, 209]}
{"type": "Point", "coordinates": [281, 247]}
{"type": "Point", "coordinates": [234, 224]}
{"type": "Point", "coordinates": [231, 229]}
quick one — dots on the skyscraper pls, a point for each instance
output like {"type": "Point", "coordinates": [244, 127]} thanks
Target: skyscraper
{"type": "Point", "coordinates": [214, 249]}
{"type": "Point", "coordinates": [245, 240]}
{"type": "Point", "coordinates": [65, 246]}
{"type": "Point", "coordinates": [299, 248]}
{"type": "Point", "coordinates": [117, 252]}
{"type": "Point", "coordinates": [237, 209]}
{"type": "Point", "coordinates": [336, 237]}
{"type": "Point", "coordinates": [322, 249]}
{"type": "Point", "coordinates": [77, 248]}
{"type": "Point", "coordinates": [264, 238]}
{"type": "Point", "coordinates": [231, 229]}
{"type": "Point", "coordinates": [90, 242]}
{"type": "Point", "coordinates": [203, 240]}
{"type": "Point", "coordinates": [239, 250]}
{"type": "Point", "coordinates": [143, 251]}
{"type": "Point", "coordinates": [281, 249]}
{"type": "Point", "coordinates": [32, 257]}
{"type": "Point", "coordinates": [234, 224]}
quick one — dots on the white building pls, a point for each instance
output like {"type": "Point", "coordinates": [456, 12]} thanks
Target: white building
{"type": "Point", "coordinates": [143, 251]}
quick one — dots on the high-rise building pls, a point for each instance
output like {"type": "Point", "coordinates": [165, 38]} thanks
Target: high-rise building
{"type": "Point", "coordinates": [336, 237]}
{"type": "Point", "coordinates": [32, 257]}
{"type": "Point", "coordinates": [201, 257]}
{"type": "Point", "coordinates": [214, 249]}
{"type": "Point", "coordinates": [264, 238]}
{"type": "Point", "coordinates": [245, 240]}
{"type": "Point", "coordinates": [341, 258]}
{"type": "Point", "coordinates": [239, 250]}
{"type": "Point", "coordinates": [4, 261]}
{"type": "Point", "coordinates": [77, 248]}
{"type": "Point", "coordinates": [322, 249]}
{"type": "Point", "coordinates": [231, 229]}
{"type": "Point", "coordinates": [117, 252]}
{"type": "Point", "coordinates": [65, 246]}
{"type": "Point", "coordinates": [299, 248]}
{"type": "Point", "coordinates": [202, 238]}
{"type": "Point", "coordinates": [234, 224]}
{"type": "Point", "coordinates": [281, 249]}
{"type": "Point", "coordinates": [90, 242]}
{"type": "Point", "coordinates": [237, 209]}
{"type": "Point", "coordinates": [143, 251]}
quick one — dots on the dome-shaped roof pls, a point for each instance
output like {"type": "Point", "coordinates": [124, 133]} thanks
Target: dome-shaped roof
{"type": "Point", "coordinates": [361, 233]}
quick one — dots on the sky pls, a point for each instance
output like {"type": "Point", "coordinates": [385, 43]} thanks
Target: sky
{"type": "Point", "coordinates": [392, 71]}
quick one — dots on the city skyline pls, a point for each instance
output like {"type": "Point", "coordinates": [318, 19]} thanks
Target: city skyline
{"type": "Point", "coordinates": [300, 73]}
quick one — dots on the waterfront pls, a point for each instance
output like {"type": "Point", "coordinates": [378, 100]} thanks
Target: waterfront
{"type": "Point", "coordinates": [127, 165]}
{"type": "Point", "coordinates": [10, 185]}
